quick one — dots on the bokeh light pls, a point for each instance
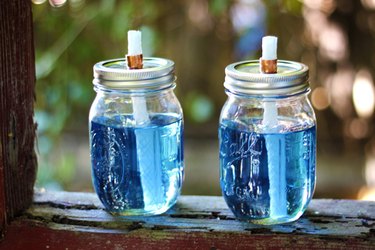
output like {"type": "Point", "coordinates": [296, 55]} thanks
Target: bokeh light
{"type": "Point", "coordinates": [201, 108]}
{"type": "Point", "coordinates": [199, 15]}
{"type": "Point", "coordinates": [57, 3]}
{"type": "Point", "coordinates": [248, 20]}
{"type": "Point", "coordinates": [366, 194]}
{"type": "Point", "coordinates": [333, 42]}
{"type": "Point", "coordinates": [320, 99]}
{"type": "Point", "coordinates": [370, 4]}
{"type": "Point", "coordinates": [363, 94]}
{"type": "Point", "coordinates": [326, 6]}
{"type": "Point", "coordinates": [38, 1]}
{"type": "Point", "coordinates": [357, 128]}
{"type": "Point", "coordinates": [340, 86]}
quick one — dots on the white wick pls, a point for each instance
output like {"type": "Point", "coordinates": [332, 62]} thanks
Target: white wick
{"type": "Point", "coordinates": [275, 146]}
{"type": "Point", "coordinates": [134, 43]}
{"type": "Point", "coordinates": [140, 111]}
{"type": "Point", "coordinates": [147, 143]}
{"type": "Point", "coordinates": [269, 48]}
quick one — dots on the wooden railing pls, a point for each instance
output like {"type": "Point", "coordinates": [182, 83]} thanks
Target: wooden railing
{"type": "Point", "coordinates": [65, 220]}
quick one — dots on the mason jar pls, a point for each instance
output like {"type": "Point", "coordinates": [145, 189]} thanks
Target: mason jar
{"type": "Point", "coordinates": [267, 139]}
{"type": "Point", "coordinates": [136, 137]}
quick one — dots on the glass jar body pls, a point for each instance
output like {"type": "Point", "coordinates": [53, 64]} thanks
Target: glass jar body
{"type": "Point", "coordinates": [136, 143]}
{"type": "Point", "coordinates": [267, 156]}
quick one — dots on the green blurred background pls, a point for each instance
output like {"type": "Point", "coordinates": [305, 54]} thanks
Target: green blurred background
{"type": "Point", "coordinates": [336, 39]}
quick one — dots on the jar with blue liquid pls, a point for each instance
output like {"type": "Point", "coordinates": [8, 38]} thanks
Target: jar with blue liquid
{"type": "Point", "coordinates": [267, 139]}
{"type": "Point", "coordinates": [136, 137]}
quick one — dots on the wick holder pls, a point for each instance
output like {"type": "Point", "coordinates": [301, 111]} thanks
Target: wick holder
{"type": "Point", "coordinates": [135, 62]}
{"type": "Point", "coordinates": [268, 66]}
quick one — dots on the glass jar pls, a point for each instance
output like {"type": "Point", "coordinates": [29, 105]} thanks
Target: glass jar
{"type": "Point", "coordinates": [136, 137]}
{"type": "Point", "coordinates": [267, 139]}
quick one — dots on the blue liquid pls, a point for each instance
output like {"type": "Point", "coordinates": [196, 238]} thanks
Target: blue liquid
{"type": "Point", "coordinates": [137, 170]}
{"type": "Point", "coordinates": [245, 177]}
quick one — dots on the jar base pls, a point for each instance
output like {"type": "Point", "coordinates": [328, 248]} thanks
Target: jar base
{"type": "Point", "coordinates": [273, 221]}
{"type": "Point", "coordinates": [140, 212]}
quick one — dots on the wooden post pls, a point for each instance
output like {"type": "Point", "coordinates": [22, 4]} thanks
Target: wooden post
{"type": "Point", "coordinates": [17, 128]}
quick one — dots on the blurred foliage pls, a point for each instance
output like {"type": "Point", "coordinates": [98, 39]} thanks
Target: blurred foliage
{"type": "Point", "coordinates": [69, 40]}
{"type": "Point", "coordinates": [335, 38]}
{"type": "Point", "coordinates": [198, 35]}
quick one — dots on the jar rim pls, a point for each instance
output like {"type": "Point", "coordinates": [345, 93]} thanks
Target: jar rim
{"type": "Point", "coordinates": [245, 78]}
{"type": "Point", "coordinates": [157, 73]}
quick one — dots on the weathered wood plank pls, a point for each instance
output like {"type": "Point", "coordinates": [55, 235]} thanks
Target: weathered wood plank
{"type": "Point", "coordinates": [17, 128]}
{"type": "Point", "coordinates": [77, 221]}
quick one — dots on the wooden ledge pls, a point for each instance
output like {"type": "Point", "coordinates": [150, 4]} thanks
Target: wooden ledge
{"type": "Point", "coordinates": [66, 220]}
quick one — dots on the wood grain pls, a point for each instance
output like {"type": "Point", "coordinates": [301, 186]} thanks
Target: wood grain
{"type": "Point", "coordinates": [17, 128]}
{"type": "Point", "coordinates": [77, 221]}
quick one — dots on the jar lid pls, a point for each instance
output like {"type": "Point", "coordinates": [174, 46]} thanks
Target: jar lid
{"type": "Point", "coordinates": [157, 73]}
{"type": "Point", "coordinates": [245, 78]}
